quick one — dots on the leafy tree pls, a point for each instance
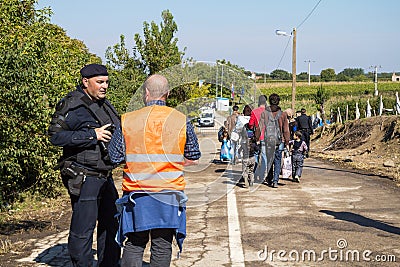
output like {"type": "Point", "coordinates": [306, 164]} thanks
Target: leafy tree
{"type": "Point", "coordinates": [320, 98]}
{"type": "Point", "coordinates": [352, 72]}
{"type": "Point", "coordinates": [342, 77]}
{"type": "Point", "coordinates": [315, 78]}
{"type": "Point", "coordinates": [303, 76]}
{"type": "Point", "coordinates": [158, 49]}
{"type": "Point", "coordinates": [39, 65]}
{"type": "Point", "coordinates": [279, 74]}
{"type": "Point", "coordinates": [197, 91]}
{"type": "Point", "coordinates": [125, 72]}
{"type": "Point", "coordinates": [328, 75]}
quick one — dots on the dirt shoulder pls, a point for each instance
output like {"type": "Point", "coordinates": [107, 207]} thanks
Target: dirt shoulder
{"type": "Point", "coordinates": [370, 145]}
{"type": "Point", "coordinates": [31, 221]}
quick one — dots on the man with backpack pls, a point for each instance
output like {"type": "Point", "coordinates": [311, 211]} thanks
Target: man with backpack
{"type": "Point", "coordinates": [276, 136]}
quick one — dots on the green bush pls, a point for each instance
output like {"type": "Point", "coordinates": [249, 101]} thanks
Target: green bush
{"type": "Point", "coordinates": [39, 65]}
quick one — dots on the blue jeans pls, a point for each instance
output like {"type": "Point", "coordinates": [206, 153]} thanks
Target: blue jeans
{"type": "Point", "coordinates": [234, 150]}
{"type": "Point", "coordinates": [261, 163]}
{"type": "Point", "coordinates": [277, 162]}
{"type": "Point", "coordinates": [297, 164]}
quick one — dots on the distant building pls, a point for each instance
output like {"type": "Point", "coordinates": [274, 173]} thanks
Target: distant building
{"type": "Point", "coordinates": [395, 78]}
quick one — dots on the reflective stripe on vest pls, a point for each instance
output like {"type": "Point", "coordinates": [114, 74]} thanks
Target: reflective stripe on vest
{"type": "Point", "coordinates": [154, 158]}
{"type": "Point", "coordinates": [155, 138]}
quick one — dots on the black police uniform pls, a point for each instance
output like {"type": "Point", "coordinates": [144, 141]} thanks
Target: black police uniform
{"type": "Point", "coordinates": [304, 124]}
{"type": "Point", "coordinates": [85, 163]}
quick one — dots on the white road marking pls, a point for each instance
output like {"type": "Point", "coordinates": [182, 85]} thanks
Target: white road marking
{"type": "Point", "coordinates": [235, 241]}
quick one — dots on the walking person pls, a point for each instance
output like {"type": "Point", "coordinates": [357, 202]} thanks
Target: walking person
{"type": "Point", "coordinates": [261, 156]}
{"type": "Point", "coordinates": [225, 152]}
{"type": "Point", "coordinates": [242, 119]}
{"type": "Point", "coordinates": [249, 149]}
{"type": "Point", "coordinates": [298, 149]}
{"type": "Point", "coordinates": [81, 125]}
{"type": "Point", "coordinates": [292, 122]}
{"type": "Point", "coordinates": [276, 137]}
{"type": "Point", "coordinates": [304, 124]}
{"type": "Point", "coordinates": [155, 142]}
{"type": "Point", "coordinates": [231, 124]}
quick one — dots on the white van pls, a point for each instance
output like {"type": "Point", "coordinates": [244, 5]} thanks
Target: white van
{"type": "Point", "coordinates": [207, 117]}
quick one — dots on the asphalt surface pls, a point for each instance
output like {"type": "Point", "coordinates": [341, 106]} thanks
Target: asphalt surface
{"type": "Point", "coordinates": [333, 217]}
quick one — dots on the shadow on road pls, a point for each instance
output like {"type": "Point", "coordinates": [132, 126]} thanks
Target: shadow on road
{"type": "Point", "coordinates": [343, 170]}
{"type": "Point", "coordinates": [57, 256]}
{"type": "Point", "coordinates": [363, 221]}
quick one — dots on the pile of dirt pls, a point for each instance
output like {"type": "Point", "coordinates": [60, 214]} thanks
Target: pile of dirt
{"type": "Point", "coordinates": [371, 145]}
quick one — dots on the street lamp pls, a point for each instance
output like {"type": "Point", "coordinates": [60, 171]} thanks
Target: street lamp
{"type": "Point", "coordinates": [279, 32]}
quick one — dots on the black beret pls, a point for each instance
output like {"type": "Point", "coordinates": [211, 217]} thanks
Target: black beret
{"type": "Point", "coordinates": [93, 70]}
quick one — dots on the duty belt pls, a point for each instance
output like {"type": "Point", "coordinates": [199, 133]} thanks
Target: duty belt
{"type": "Point", "coordinates": [100, 174]}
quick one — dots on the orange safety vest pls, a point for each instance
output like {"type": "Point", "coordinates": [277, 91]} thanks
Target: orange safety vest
{"type": "Point", "coordinates": [155, 138]}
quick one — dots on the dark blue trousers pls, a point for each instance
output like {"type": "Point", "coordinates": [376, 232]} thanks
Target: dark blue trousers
{"type": "Point", "coordinates": [96, 203]}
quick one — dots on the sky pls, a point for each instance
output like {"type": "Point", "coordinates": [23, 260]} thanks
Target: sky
{"type": "Point", "coordinates": [338, 34]}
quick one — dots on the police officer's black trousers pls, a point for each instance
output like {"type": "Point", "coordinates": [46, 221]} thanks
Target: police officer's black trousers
{"type": "Point", "coordinates": [306, 137]}
{"type": "Point", "coordinates": [95, 203]}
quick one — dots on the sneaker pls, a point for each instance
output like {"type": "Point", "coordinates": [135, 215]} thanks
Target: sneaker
{"type": "Point", "coordinates": [297, 179]}
{"type": "Point", "coordinates": [275, 185]}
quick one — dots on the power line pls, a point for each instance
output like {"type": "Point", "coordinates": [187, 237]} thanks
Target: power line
{"type": "Point", "coordinates": [309, 14]}
{"type": "Point", "coordinates": [284, 52]}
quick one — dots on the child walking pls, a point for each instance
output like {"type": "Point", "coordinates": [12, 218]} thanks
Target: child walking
{"type": "Point", "coordinates": [299, 150]}
{"type": "Point", "coordinates": [225, 154]}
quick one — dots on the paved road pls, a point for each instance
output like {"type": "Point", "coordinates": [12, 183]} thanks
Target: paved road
{"type": "Point", "coordinates": [332, 218]}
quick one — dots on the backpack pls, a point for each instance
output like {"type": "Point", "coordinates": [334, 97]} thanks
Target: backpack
{"type": "Point", "coordinates": [221, 133]}
{"type": "Point", "coordinates": [240, 122]}
{"type": "Point", "coordinates": [272, 135]}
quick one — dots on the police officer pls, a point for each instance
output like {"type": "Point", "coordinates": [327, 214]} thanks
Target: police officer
{"type": "Point", "coordinates": [304, 124]}
{"type": "Point", "coordinates": [82, 125]}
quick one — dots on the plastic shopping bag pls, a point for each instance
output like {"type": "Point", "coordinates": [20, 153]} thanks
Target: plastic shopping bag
{"type": "Point", "coordinates": [287, 167]}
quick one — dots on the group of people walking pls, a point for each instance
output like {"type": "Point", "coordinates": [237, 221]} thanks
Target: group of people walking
{"type": "Point", "coordinates": [154, 144]}
{"type": "Point", "coordinates": [260, 137]}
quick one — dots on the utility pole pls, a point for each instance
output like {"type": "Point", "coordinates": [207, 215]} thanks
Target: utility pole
{"type": "Point", "coordinates": [216, 82]}
{"type": "Point", "coordinates": [279, 32]}
{"type": "Point", "coordinates": [375, 79]}
{"type": "Point", "coordinates": [309, 63]}
{"type": "Point", "coordinates": [294, 70]}
{"type": "Point", "coordinates": [253, 77]}
{"type": "Point", "coordinates": [222, 78]}
{"type": "Point", "coordinates": [265, 70]}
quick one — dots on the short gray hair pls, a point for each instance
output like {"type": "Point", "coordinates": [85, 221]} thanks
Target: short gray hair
{"type": "Point", "coordinates": [157, 85]}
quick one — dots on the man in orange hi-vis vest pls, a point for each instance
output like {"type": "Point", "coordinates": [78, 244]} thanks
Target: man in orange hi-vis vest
{"type": "Point", "coordinates": [155, 143]}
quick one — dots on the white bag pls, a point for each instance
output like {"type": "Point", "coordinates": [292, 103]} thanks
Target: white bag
{"type": "Point", "coordinates": [287, 167]}
{"type": "Point", "coordinates": [234, 136]}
